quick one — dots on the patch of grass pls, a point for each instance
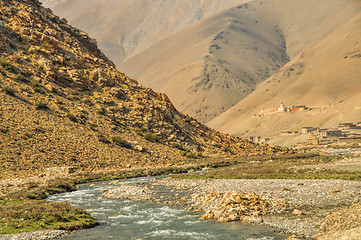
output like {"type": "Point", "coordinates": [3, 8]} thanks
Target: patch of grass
{"type": "Point", "coordinates": [72, 117]}
{"type": "Point", "coordinates": [193, 155]}
{"type": "Point", "coordinates": [93, 127]}
{"type": "Point", "coordinates": [9, 66]}
{"type": "Point", "coordinates": [22, 78]}
{"type": "Point", "coordinates": [279, 168]}
{"type": "Point", "coordinates": [103, 139]}
{"type": "Point", "coordinates": [37, 86]}
{"type": "Point", "coordinates": [31, 215]}
{"type": "Point", "coordinates": [41, 104]}
{"type": "Point", "coordinates": [178, 146]}
{"type": "Point", "coordinates": [9, 91]}
{"type": "Point", "coordinates": [121, 142]}
{"type": "Point", "coordinates": [151, 137]}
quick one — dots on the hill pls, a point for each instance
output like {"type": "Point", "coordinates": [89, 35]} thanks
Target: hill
{"type": "Point", "coordinates": [63, 103]}
{"type": "Point", "coordinates": [126, 27]}
{"type": "Point", "coordinates": [323, 74]}
{"type": "Point", "coordinates": [213, 64]}
{"type": "Point", "coordinates": [208, 66]}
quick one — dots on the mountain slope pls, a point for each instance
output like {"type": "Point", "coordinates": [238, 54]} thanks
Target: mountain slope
{"type": "Point", "coordinates": [63, 103]}
{"type": "Point", "coordinates": [210, 66]}
{"type": "Point", "coordinates": [126, 27]}
{"type": "Point", "coordinates": [325, 77]}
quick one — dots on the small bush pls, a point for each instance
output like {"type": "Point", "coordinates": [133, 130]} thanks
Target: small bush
{"type": "Point", "coordinates": [103, 139]}
{"type": "Point", "coordinates": [194, 155]}
{"type": "Point", "coordinates": [151, 137]}
{"type": "Point", "coordinates": [22, 78]}
{"type": "Point", "coordinates": [121, 142]}
{"type": "Point", "coordinates": [8, 66]}
{"type": "Point", "coordinates": [178, 146]}
{"type": "Point", "coordinates": [9, 91]}
{"type": "Point", "coordinates": [41, 104]}
{"type": "Point", "coordinates": [100, 110]}
{"type": "Point", "coordinates": [93, 126]}
{"type": "Point", "coordinates": [72, 117]}
{"type": "Point", "coordinates": [37, 87]}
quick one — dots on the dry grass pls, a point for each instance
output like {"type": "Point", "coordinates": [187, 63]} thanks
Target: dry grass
{"type": "Point", "coordinates": [280, 168]}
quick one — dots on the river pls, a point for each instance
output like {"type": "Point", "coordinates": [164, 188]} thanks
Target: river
{"type": "Point", "coordinates": [126, 220]}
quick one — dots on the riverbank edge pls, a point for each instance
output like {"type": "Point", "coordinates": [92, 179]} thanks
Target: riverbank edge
{"type": "Point", "coordinates": [46, 187]}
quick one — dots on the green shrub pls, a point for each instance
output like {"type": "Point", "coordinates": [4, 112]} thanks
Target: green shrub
{"type": "Point", "coordinates": [93, 126]}
{"type": "Point", "coordinates": [41, 104]}
{"type": "Point", "coordinates": [72, 117]}
{"type": "Point", "coordinates": [22, 78]}
{"type": "Point", "coordinates": [103, 139]}
{"type": "Point", "coordinates": [8, 66]}
{"type": "Point", "coordinates": [37, 86]}
{"type": "Point", "coordinates": [121, 142]}
{"type": "Point", "coordinates": [194, 155]}
{"type": "Point", "coordinates": [9, 91]}
{"type": "Point", "coordinates": [151, 137]}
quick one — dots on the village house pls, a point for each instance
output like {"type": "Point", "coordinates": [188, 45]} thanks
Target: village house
{"type": "Point", "coordinates": [306, 130]}
{"type": "Point", "coordinates": [259, 139]}
{"type": "Point", "coordinates": [331, 133]}
{"type": "Point", "coordinates": [344, 126]}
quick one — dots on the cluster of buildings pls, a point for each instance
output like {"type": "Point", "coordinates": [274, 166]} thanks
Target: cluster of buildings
{"type": "Point", "coordinates": [282, 108]}
{"type": "Point", "coordinates": [346, 133]}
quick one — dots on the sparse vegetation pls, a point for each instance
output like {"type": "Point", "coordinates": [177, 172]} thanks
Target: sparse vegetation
{"type": "Point", "coordinates": [30, 215]}
{"type": "Point", "coordinates": [151, 137]}
{"type": "Point", "coordinates": [37, 86]}
{"type": "Point", "coordinates": [189, 154]}
{"type": "Point", "coordinates": [22, 78]}
{"type": "Point", "coordinates": [72, 117]}
{"type": "Point", "coordinates": [118, 140]}
{"type": "Point", "coordinates": [103, 139]}
{"type": "Point", "coordinates": [9, 91]}
{"type": "Point", "coordinates": [40, 104]}
{"type": "Point", "coordinates": [281, 168]}
{"type": "Point", "coordinates": [93, 126]}
{"type": "Point", "coordinates": [9, 66]}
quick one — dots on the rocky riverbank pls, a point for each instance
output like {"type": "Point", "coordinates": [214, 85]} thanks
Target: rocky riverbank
{"type": "Point", "coordinates": [40, 235]}
{"type": "Point", "coordinates": [305, 208]}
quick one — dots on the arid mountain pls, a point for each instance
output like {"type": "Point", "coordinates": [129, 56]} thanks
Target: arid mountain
{"type": "Point", "coordinates": [213, 64]}
{"type": "Point", "coordinates": [126, 27]}
{"type": "Point", "coordinates": [254, 56]}
{"type": "Point", "coordinates": [324, 74]}
{"type": "Point", "coordinates": [63, 103]}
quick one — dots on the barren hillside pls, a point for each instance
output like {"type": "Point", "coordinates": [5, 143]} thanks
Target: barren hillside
{"type": "Point", "coordinates": [324, 74]}
{"type": "Point", "coordinates": [126, 27]}
{"type": "Point", "coordinates": [210, 66]}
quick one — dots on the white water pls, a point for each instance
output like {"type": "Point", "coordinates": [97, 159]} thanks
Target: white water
{"type": "Point", "coordinates": [126, 220]}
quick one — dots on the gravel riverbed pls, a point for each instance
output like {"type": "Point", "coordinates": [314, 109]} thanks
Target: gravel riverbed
{"type": "Point", "coordinates": [39, 235]}
{"type": "Point", "coordinates": [310, 201]}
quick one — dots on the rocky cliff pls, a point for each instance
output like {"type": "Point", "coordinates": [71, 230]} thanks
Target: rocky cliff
{"type": "Point", "coordinates": [63, 103]}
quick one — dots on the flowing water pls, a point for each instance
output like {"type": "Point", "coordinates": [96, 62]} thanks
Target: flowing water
{"type": "Point", "coordinates": [126, 220]}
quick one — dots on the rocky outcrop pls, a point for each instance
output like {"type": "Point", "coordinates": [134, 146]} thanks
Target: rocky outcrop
{"type": "Point", "coordinates": [237, 206]}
